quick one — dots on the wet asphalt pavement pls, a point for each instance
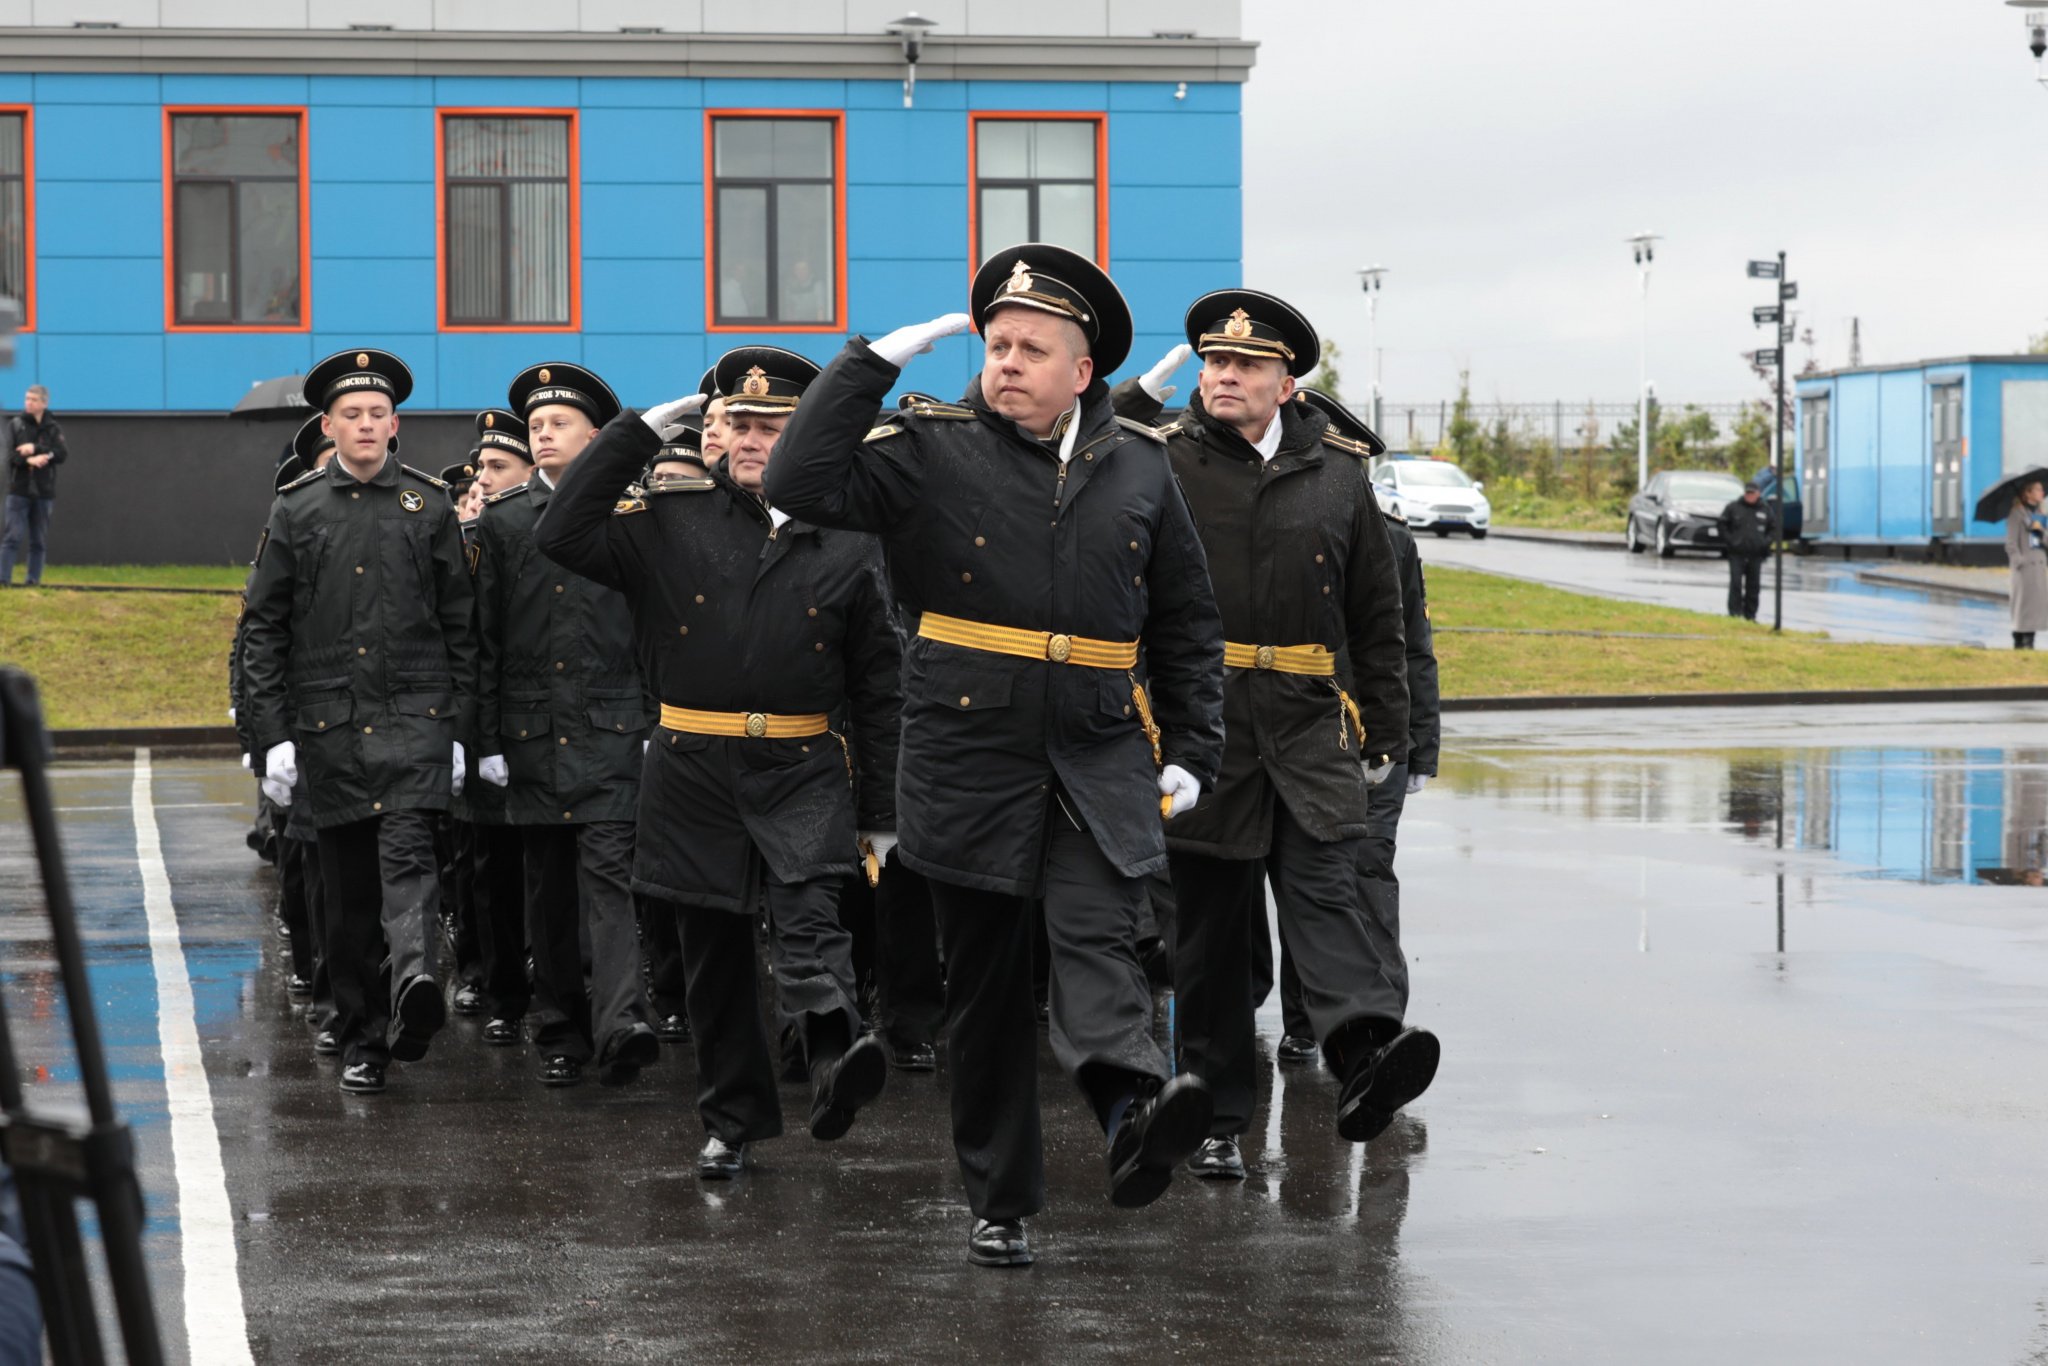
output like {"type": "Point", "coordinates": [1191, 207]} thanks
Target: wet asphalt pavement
{"type": "Point", "coordinates": [1745, 1053]}
{"type": "Point", "coordinates": [1820, 595]}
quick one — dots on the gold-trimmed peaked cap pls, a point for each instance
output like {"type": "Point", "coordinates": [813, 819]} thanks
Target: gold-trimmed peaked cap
{"type": "Point", "coordinates": [1249, 323]}
{"type": "Point", "coordinates": [764, 380]}
{"type": "Point", "coordinates": [1063, 283]}
{"type": "Point", "coordinates": [352, 371]}
{"type": "Point", "coordinates": [500, 430]}
{"type": "Point", "coordinates": [558, 381]}
{"type": "Point", "coordinates": [1343, 421]}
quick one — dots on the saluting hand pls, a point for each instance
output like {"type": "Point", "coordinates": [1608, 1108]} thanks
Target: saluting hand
{"type": "Point", "coordinates": [663, 414]}
{"type": "Point", "coordinates": [899, 346]}
{"type": "Point", "coordinates": [1153, 381]}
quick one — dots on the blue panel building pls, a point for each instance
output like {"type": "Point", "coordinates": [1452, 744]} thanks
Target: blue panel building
{"type": "Point", "coordinates": [1892, 458]}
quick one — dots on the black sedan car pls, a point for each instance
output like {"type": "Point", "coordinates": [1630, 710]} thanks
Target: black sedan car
{"type": "Point", "coordinates": [1678, 511]}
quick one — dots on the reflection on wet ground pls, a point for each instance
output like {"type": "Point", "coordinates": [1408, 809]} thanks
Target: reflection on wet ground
{"type": "Point", "coordinates": [1702, 1099]}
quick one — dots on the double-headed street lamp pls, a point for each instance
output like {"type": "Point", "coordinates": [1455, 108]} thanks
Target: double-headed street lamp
{"type": "Point", "coordinates": [1369, 279]}
{"type": "Point", "coordinates": [1644, 245]}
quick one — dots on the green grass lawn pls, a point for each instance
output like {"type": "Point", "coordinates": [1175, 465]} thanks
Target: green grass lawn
{"type": "Point", "coordinates": [110, 659]}
{"type": "Point", "coordinates": [150, 575]}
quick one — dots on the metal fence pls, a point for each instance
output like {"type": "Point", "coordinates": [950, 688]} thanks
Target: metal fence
{"type": "Point", "coordinates": [1566, 425]}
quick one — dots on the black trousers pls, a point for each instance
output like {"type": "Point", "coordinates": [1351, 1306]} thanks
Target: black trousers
{"type": "Point", "coordinates": [578, 886]}
{"type": "Point", "coordinates": [1222, 906]}
{"type": "Point", "coordinates": [811, 959]}
{"type": "Point", "coordinates": [383, 915]}
{"type": "Point", "coordinates": [458, 897]}
{"type": "Point", "coordinates": [1745, 583]}
{"type": "Point", "coordinates": [661, 944]}
{"type": "Point", "coordinates": [291, 895]}
{"type": "Point", "coordinates": [1379, 892]}
{"type": "Point", "coordinates": [896, 952]}
{"type": "Point", "coordinates": [320, 1010]}
{"type": "Point", "coordinates": [1101, 1013]}
{"type": "Point", "coordinates": [498, 904]}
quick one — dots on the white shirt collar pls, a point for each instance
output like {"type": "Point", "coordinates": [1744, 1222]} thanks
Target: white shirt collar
{"type": "Point", "coordinates": [1268, 445]}
{"type": "Point", "coordinates": [542, 475]}
{"type": "Point", "coordinates": [1073, 419]}
{"type": "Point", "coordinates": [778, 518]}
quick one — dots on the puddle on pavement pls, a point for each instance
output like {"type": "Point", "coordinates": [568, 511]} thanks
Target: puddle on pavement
{"type": "Point", "coordinates": [1961, 815]}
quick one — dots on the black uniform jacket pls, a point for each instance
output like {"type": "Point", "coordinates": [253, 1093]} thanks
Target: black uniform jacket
{"type": "Point", "coordinates": [558, 688]}
{"type": "Point", "coordinates": [480, 803]}
{"type": "Point", "coordinates": [1425, 706]}
{"type": "Point", "coordinates": [982, 522]}
{"type": "Point", "coordinates": [732, 614]}
{"type": "Point", "coordinates": [358, 644]}
{"type": "Point", "coordinates": [1748, 528]}
{"type": "Point", "coordinates": [1299, 555]}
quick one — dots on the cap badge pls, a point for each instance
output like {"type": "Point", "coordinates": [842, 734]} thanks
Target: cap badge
{"type": "Point", "coordinates": [545, 377]}
{"type": "Point", "coordinates": [469, 471]}
{"type": "Point", "coordinates": [490, 419]}
{"type": "Point", "coordinates": [756, 383]}
{"type": "Point", "coordinates": [1239, 325]}
{"type": "Point", "coordinates": [411, 501]}
{"type": "Point", "coordinates": [362, 359]}
{"type": "Point", "coordinates": [1019, 281]}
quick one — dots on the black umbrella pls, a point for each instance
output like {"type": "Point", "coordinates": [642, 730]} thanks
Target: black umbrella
{"type": "Point", "coordinates": [280, 397]}
{"type": "Point", "coordinates": [1995, 503]}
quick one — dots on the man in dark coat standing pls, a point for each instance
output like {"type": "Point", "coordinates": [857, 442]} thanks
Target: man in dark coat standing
{"type": "Point", "coordinates": [1749, 527]}
{"type": "Point", "coordinates": [564, 720]}
{"type": "Point", "coordinates": [1315, 715]}
{"type": "Point", "coordinates": [1044, 548]}
{"type": "Point", "coordinates": [35, 447]}
{"type": "Point", "coordinates": [757, 631]}
{"type": "Point", "coordinates": [359, 662]}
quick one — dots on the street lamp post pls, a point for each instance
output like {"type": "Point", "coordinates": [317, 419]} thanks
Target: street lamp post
{"type": "Point", "coordinates": [2036, 18]}
{"type": "Point", "coordinates": [1369, 279]}
{"type": "Point", "coordinates": [1644, 244]}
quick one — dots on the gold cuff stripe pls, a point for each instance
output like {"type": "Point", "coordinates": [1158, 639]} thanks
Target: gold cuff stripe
{"type": "Point", "coordinates": [747, 725]}
{"type": "Point", "coordinates": [1312, 660]}
{"type": "Point", "coordinates": [1011, 640]}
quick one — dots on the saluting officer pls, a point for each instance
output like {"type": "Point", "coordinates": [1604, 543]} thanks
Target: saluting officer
{"type": "Point", "coordinates": [756, 630]}
{"type": "Point", "coordinates": [1315, 713]}
{"type": "Point", "coordinates": [1044, 546]}
{"type": "Point", "coordinates": [360, 652]}
{"type": "Point", "coordinates": [562, 712]}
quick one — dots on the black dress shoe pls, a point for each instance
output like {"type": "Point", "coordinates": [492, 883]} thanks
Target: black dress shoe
{"type": "Point", "coordinates": [1296, 1049]}
{"type": "Point", "coordinates": [845, 1084]}
{"type": "Point", "coordinates": [421, 1013]}
{"type": "Point", "coordinates": [325, 1045]}
{"type": "Point", "coordinates": [363, 1078]}
{"type": "Point", "coordinates": [672, 1029]}
{"type": "Point", "coordinates": [630, 1051]}
{"type": "Point", "coordinates": [999, 1242]}
{"type": "Point", "coordinates": [560, 1070]}
{"type": "Point", "coordinates": [500, 1031]}
{"type": "Point", "coordinates": [1157, 1135]}
{"type": "Point", "coordinates": [721, 1161]}
{"type": "Point", "coordinates": [297, 987]}
{"type": "Point", "coordinates": [469, 999]}
{"type": "Point", "coordinates": [1218, 1159]}
{"type": "Point", "coordinates": [1395, 1073]}
{"type": "Point", "coordinates": [913, 1057]}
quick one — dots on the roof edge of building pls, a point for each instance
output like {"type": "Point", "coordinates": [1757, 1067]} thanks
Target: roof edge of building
{"type": "Point", "coordinates": [1933, 363]}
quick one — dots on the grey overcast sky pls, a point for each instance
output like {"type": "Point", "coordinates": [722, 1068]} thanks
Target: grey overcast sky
{"type": "Point", "coordinates": [1495, 156]}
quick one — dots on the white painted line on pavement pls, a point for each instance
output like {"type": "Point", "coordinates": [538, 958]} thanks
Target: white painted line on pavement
{"type": "Point", "coordinates": [215, 1328]}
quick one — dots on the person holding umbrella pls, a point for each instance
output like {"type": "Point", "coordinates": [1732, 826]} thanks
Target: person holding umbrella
{"type": "Point", "coordinates": [2016, 501]}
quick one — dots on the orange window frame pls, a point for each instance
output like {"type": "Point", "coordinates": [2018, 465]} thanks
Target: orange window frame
{"type": "Point", "coordinates": [297, 111]}
{"type": "Point", "coordinates": [974, 121]}
{"type": "Point", "coordinates": [28, 212]}
{"type": "Point", "coordinates": [837, 118]}
{"type": "Point", "coordinates": [441, 117]}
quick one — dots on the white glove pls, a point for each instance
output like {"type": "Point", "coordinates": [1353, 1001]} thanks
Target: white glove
{"type": "Point", "coordinates": [1375, 776]}
{"type": "Point", "coordinates": [1153, 381]}
{"type": "Point", "coordinates": [664, 414]}
{"type": "Point", "coordinates": [491, 768]}
{"type": "Point", "coordinates": [459, 774]}
{"type": "Point", "coordinates": [881, 841]}
{"type": "Point", "coordinates": [231, 713]}
{"type": "Point", "coordinates": [1180, 785]}
{"type": "Point", "coordinates": [281, 772]}
{"type": "Point", "coordinates": [247, 764]}
{"type": "Point", "coordinates": [1416, 782]}
{"type": "Point", "coordinates": [899, 346]}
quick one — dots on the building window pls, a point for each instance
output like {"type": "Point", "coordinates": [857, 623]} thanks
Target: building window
{"type": "Point", "coordinates": [238, 256]}
{"type": "Point", "coordinates": [1039, 179]}
{"type": "Point", "coordinates": [777, 250]}
{"type": "Point", "coordinates": [17, 213]}
{"type": "Point", "coordinates": [509, 230]}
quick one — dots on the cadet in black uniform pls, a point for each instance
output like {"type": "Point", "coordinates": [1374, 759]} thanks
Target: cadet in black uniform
{"type": "Point", "coordinates": [1044, 546]}
{"type": "Point", "coordinates": [563, 713]}
{"type": "Point", "coordinates": [756, 630]}
{"type": "Point", "coordinates": [458, 863]}
{"type": "Point", "coordinates": [360, 664]}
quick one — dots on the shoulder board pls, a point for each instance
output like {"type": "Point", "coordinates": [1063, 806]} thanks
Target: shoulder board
{"type": "Point", "coordinates": [422, 474]}
{"type": "Point", "coordinates": [958, 412]}
{"type": "Point", "coordinates": [1144, 429]}
{"type": "Point", "coordinates": [308, 477]}
{"type": "Point", "coordinates": [679, 483]}
{"type": "Point", "coordinates": [626, 505]}
{"type": "Point", "coordinates": [887, 429]}
{"type": "Point", "coordinates": [502, 494]}
{"type": "Point", "coordinates": [1394, 517]}
{"type": "Point", "coordinates": [1173, 428]}
{"type": "Point", "coordinates": [1345, 443]}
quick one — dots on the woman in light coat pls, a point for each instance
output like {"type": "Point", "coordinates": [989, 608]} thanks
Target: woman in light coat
{"type": "Point", "coordinates": [2023, 550]}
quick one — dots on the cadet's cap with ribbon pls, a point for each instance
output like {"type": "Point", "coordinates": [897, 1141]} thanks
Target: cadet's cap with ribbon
{"type": "Point", "coordinates": [763, 380]}
{"type": "Point", "coordinates": [355, 371]}
{"type": "Point", "coordinates": [1249, 323]}
{"type": "Point", "coordinates": [499, 430]}
{"type": "Point", "coordinates": [708, 386]}
{"type": "Point", "coordinates": [557, 381]}
{"type": "Point", "coordinates": [458, 477]}
{"type": "Point", "coordinates": [681, 439]}
{"type": "Point", "coordinates": [289, 469]}
{"type": "Point", "coordinates": [1063, 283]}
{"type": "Point", "coordinates": [309, 441]}
{"type": "Point", "coordinates": [1343, 421]}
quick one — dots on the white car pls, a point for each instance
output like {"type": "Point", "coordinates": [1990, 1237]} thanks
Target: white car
{"type": "Point", "coordinates": [1433, 495]}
